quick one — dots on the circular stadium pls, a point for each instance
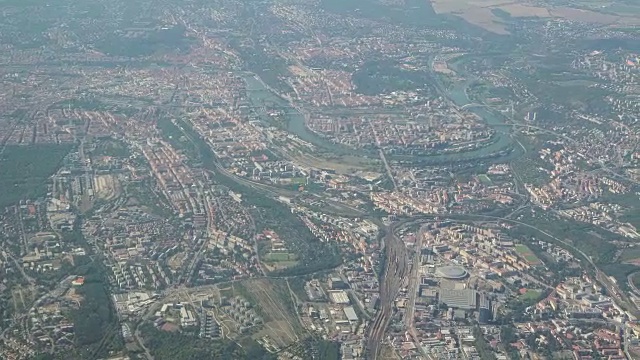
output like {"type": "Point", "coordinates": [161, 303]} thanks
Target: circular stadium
{"type": "Point", "coordinates": [452, 272]}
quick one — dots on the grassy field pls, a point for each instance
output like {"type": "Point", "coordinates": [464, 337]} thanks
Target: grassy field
{"type": "Point", "coordinates": [299, 180]}
{"type": "Point", "coordinates": [630, 254]}
{"type": "Point", "coordinates": [273, 299]}
{"type": "Point", "coordinates": [280, 257]}
{"type": "Point", "coordinates": [485, 180]}
{"type": "Point", "coordinates": [530, 295]}
{"type": "Point", "coordinates": [278, 261]}
{"type": "Point", "coordinates": [636, 280]}
{"type": "Point", "coordinates": [340, 164]}
{"type": "Point", "coordinates": [527, 254]}
{"type": "Point", "coordinates": [111, 147]}
{"type": "Point", "coordinates": [388, 352]}
{"type": "Point", "coordinates": [25, 170]}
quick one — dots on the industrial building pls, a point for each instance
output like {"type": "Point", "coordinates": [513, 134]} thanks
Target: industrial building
{"type": "Point", "coordinates": [351, 315]}
{"type": "Point", "coordinates": [459, 299]}
{"type": "Point", "coordinates": [339, 297]}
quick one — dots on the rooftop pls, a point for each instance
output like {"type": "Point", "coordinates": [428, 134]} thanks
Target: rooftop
{"type": "Point", "coordinates": [451, 272]}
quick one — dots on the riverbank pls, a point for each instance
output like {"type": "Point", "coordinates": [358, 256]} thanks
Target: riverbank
{"type": "Point", "coordinates": [499, 149]}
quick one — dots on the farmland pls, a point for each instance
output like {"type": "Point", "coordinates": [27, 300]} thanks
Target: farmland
{"type": "Point", "coordinates": [487, 13]}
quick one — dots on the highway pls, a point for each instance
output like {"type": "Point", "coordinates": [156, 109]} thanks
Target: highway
{"type": "Point", "coordinates": [395, 272]}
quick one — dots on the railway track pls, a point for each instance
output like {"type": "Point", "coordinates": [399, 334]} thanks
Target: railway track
{"type": "Point", "coordinates": [394, 274]}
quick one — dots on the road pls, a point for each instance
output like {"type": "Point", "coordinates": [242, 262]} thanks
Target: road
{"type": "Point", "coordinates": [626, 336]}
{"type": "Point", "coordinates": [276, 192]}
{"type": "Point", "coordinates": [140, 341]}
{"type": "Point", "coordinates": [612, 289]}
{"type": "Point", "coordinates": [414, 281]}
{"type": "Point", "coordinates": [631, 284]}
{"type": "Point", "coordinates": [414, 288]}
{"type": "Point", "coordinates": [86, 201]}
{"type": "Point", "coordinates": [388, 168]}
{"type": "Point", "coordinates": [19, 266]}
{"type": "Point", "coordinates": [601, 162]}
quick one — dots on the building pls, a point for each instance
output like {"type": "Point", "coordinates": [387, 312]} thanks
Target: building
{"type": "Point", "coordinates": [339, 297]}
{"type": "Point", "coordinates": [452, 272]}
{"type": "Point", "coordinates": [187, 318]}
{"type": "Point", "coordinates": [351, 315]}
{"type": "Point", "coordinates": [336, 283]}
{"type": "Point", "coordinates": [459, 299]}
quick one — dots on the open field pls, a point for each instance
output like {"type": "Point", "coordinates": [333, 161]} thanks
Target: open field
{"type": "Point", "coordinates": [527, 254]}
{"type": "Point", "coordinates": [276, 261]}
{"type": "Point", "coordinates": [175, 262]}
{"type": "Point", "coordinates": [636, 279]}
{"type": "Point", "coordinates": [111, 148]}
{"type": "Point", "coordinates": [631, 256]}
{"type": "Point", "coordinates": [530, 295]}
{"type": "Point", "coordinates": [40, 238]}
{"type": "Point", "coordinates": [584, 16]}
{"type": "Point", "coordinates": [107, 187]}
{"type": "Point", "coordinates": [485, 180]}
{"type": "Point", "coordinates": [341, 165]}
{"type": "Point", "coordinates": [280, 257]}
{"type": "Point", "coordinates": [280, 265]}
{"type": "Point", "coordinates": [522, 10]}
{"type": "Point", "coordinates": [272, 297]}
{"type": "Point", "coordinates": [484, 18]}
{"type": "Point", "coordinates": [482, 14]}
{"type": "Point", "coordinates": [22, 297]}
{"type": "Point", "coordinates": [387, 352]}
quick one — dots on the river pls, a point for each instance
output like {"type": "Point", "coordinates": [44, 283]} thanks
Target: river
{"type": "Point", "coordinates": [501, 148]}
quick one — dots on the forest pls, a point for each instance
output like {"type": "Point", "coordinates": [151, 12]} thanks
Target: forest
{"type": "Point", "coordinates": [25, 170]}
{"type": "Point", "coordinates": [95, 322]}
{"type": "Point", "coordinates": [175, 346]}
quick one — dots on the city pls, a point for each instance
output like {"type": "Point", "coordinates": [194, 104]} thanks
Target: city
{"type": "Point", "coordinates": [319, 179]}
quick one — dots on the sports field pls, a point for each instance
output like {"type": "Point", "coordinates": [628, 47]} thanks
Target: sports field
{"type": "Point", "coordinates": [485, 180]}
{"type": "Point", "coordinates": [527, 254]}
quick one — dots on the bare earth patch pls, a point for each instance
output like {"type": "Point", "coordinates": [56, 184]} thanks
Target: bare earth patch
{"type": "Point", "coordinates": [633, 262]}
{"type": "Point", "coordinates": [584, 16]}
{"type": "Point", "coordinates": [484, 18]}
{"type": "Point", "coordinates": [479, 12]}
{"type": "Point", "coordinates": [521, 10]}
{"type": "Point", "coordinates": [280, 325]}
